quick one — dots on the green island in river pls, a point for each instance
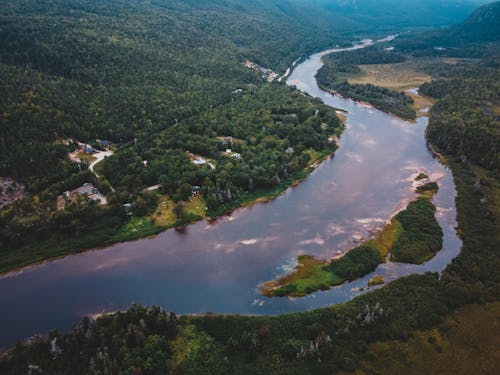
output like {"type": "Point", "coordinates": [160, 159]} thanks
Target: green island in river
{"type": "Point", "coordinates": [413, 235]}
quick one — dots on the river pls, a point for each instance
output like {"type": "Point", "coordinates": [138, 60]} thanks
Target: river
{"type": "Point", "coordinates": [218, 266]}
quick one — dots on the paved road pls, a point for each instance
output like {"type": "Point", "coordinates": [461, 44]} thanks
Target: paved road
{"type": "Point", "coordinates": [99, 156]}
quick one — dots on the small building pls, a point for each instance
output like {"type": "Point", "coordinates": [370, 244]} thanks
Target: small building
{"type": "Point", "coordinates": [103, 142]}
{"type": "Point", "coordinates": [128, 208]}
{"type": "Point", "coordinates": [196, 190]}
{"type": "Point", "coordinates": [199, 161]}
{"type": "Point", "coordinates": [86, 189]}
{"type": "Point", "coordinates": [88, 150]}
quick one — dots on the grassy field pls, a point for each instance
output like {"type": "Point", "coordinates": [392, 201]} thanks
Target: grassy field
{"type": "Point", "coordinates": [164, 216]}
{"type": "Point", "coordinates": [376, 280]}
{"type": "Point", "coordinates": [136, 227]}
{"type": "Point", "coordinates": [310, 274]}
{"type": "Point", "coordinates": [400, 77]}
{"type": "Point", "coordinates": [467, 342]}
{"type": "Point", "coordinates": [85, 157]}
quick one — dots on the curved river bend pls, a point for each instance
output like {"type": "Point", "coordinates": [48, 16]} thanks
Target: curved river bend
{"type": "Point", "coordinates": [217, 267]}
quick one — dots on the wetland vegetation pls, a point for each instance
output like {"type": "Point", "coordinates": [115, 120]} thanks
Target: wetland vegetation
{"type": "Point", "coordinates": [413, 235]}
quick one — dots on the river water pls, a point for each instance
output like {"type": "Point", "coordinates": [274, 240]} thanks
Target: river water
{"type": "Point", "coordinates": [218, 266]}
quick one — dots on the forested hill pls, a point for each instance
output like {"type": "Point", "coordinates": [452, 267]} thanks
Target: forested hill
{"type": "Point", "coordinates": [390, 13]}
{"type": "Point", "coordinates": [166, 77]}
{"type": "Point", "coordinates": [54, 35]}
{"type": "Point", "coordinates": [121, 69]}
{"type": "Point", "coordinates": [483, 25]}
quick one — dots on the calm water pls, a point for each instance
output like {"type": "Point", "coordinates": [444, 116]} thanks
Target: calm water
{"type": "Point", "coordinates": [217, 267]}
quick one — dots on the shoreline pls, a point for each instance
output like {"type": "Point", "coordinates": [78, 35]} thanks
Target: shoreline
{"type": "Point", "coordinates": [370, 105]}
{"type": "Point", "coordinates": [264, 198]}
{"type": "Point", "coordinates": [314, 271]}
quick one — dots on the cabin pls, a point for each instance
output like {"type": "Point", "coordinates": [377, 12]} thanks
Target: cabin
{"type": "Point", "coordinates": [86, 189]}
{"type": "Point", "coordinates": [196, 190]}
{"type": "Point", "coordinates": [67, 196]}
{"type": "Point", "coordinates": [103, 142]}
{"type": "Point", "coordinates": [88, 150]}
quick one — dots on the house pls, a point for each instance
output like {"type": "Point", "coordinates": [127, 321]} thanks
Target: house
{"type": "Point", "coordinates": [128, 209]}
{"type": "Point", "coordinates": [196, 190]}
{"type": "Point", "coordinates": [199, 161]}
{"type": "Point", "coordinates": [103, 143]}
{"type": "Point", "coordinates": [88, 150]}
{"type": "Point", "coordinates": [86, 189]}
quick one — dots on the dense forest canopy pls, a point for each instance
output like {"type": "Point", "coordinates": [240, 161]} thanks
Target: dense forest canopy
{"type": "Point", "coordinates": [170, 75]}
{"type": "Point", "coordinates": [131, 72]}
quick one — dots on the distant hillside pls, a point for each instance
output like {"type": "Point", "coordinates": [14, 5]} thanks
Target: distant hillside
{"type": "Point", "coordinates": [460, 40]}
{"type": "Point", "coordinates": [483, 25]}
{"type": "Point", "coordinates": [384, 13]}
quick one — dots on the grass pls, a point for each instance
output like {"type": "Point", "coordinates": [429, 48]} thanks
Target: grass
{"type": "Point", "coordinates": [384, 241]}
{"type": "Point", "coordinates": [85, 157]}
{"type": "Point", "coordinates": [164, 216]}
{"type": "Point", "coordinates": [428, 189]}
{"type": "Point", "coordinates": [376, 280]}
{"type": "Point", "coordinates": [196, 206]}
{"type": "Point", "coordinates": [310, 275]}
{"type": "Point", "coordinates": [466, 342]}
{"type": "Point", "coordinates": [398, 77]}
{"type": "Point", "coordinates": [136, 227]}
{"type": "Point", "coordinates": [420, 102]}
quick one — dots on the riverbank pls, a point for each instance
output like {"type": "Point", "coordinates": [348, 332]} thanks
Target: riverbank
{"type": "Point", "coordinates": [395, 312]}
{"type": "Point", "coordinates": [364, 82]}
{"type": "Point", "coordinates": [412, 236]}
{"type": "Point", "coordinates": [230, 257]}
{"type": "Point", "coordinates": [112, 229]}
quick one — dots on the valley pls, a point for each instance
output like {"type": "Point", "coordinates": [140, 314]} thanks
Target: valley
{"type": "Point", "coordinates": [251, 191]}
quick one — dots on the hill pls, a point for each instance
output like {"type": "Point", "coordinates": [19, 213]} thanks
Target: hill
{"type": "Point", "coordinates": [461, 39]}
{"type": "Point", "coordinates": [483, 25]}
{"type": "Point", "coordinates": [382, 14]}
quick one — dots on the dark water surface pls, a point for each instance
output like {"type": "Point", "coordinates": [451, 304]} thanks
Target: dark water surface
{"type": "Point", "coordinates": [217, 267]}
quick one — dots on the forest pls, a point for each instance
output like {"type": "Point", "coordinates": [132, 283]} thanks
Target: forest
{"type": "Point", "coordinates": [324, 341]}
{"type": "Point", "coordinates": [155, 82]}
{"type": "Point", "coordinates": [99, 98]}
